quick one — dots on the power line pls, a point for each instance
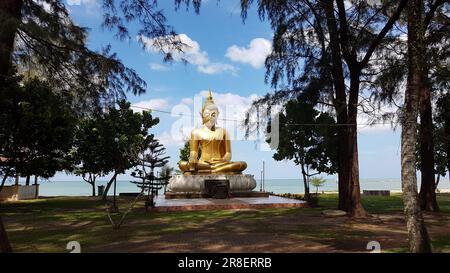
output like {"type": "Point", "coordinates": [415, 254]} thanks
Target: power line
{"type": "Point", "coordinates": [289, 124]}
{"type": "Point", "coordinates": [180, 114]}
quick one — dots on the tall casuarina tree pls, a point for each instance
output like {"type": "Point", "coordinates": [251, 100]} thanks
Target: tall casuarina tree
{"type": "Point", "coordinates": [434, 34]}
{"type": "Point", "coordinates": [419, 240]}
{"type": "Point", "coordinates": [320, 48]}
{"type": "Point", "coordinates": [443, 133]}
{"type": "Point", "coordinates": [389, 83]}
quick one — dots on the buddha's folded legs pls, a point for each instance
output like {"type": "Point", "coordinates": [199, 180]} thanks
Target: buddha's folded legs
{"type": "Point", "coordinates": [185, 166]}
{"type": "Point", "coordinates": [231, 167]}
{"type": "Point", "coordinates": [223, 167]}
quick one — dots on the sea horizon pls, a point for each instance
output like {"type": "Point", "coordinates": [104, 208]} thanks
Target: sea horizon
{"type": "Point", "coordinates": [278, 186]}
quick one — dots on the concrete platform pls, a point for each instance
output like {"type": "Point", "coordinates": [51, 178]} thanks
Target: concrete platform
{"type": "Point", "coordinates": [163, 204]}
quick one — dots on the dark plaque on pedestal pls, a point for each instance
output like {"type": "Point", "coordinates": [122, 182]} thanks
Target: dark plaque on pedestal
{"type": "Point", "coordinates": [218, 188]}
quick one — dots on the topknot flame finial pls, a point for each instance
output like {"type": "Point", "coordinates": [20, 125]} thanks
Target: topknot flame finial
{"type": "Point", "coordinates": [209, 100]}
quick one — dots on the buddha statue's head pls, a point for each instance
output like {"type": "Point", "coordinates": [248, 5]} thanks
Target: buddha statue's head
{"type": "Point", "coordinates": [210, 112]}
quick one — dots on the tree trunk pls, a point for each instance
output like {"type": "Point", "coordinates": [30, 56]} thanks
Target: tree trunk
{"type": "Point", "coordinates": [3, 181]}
{"type": "Point", "coordinates": [5, 246]}
{"type": "Point", "coordinates": [93, 189]}
{"type": "Point", "coordinates": [27, 182]}
{"type": "Point", "coordinates": [447, 144]}
{"type": "Point", "coordinates": [307, 195]}
{"type": "Point", "coordinates": [343, 163]}
{"type": "Point", "coordinates": [348, 169]}
{"type": "Point", "coordinates": [10, 17]}
{"type": "Point", "coordinates": [93, 178]}
{"type": "Point", "coordinates": [355, 207]}
{"type": "Point", "coordinates": [438, 178]}
{"type": "Point", "coordinates": [36, 192]}
{"type": "Point", "coordinates": [428, 186]}
{"type": "Point", "coordinates": [340, 105]}
{"type": "Point", "coordinates": [419, 240]}
{"type": "Point", "coordinates": [105, 193]}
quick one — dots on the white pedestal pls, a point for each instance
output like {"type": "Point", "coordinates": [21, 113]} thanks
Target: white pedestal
{"type": "Point", "coordinates": [196, 183]}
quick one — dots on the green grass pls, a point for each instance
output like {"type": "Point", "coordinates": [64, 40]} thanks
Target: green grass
{"type": "Point", "coordinates": [380, 204]}
{"type": "Point", "coordinates": [46, 225]}
{"type": "Point", "coordinates": [442, 243]}
{"type": "Point", "coordinates": [373, 204]}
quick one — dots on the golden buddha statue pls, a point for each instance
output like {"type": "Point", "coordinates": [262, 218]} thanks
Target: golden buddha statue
{"type": "Point", "coordinates": [215, 146]}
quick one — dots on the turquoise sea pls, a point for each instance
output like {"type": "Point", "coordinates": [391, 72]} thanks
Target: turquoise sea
{"type": "Point", "coordinates": [81, 188]}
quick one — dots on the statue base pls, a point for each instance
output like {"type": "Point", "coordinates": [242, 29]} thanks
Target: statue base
{"type": "Point", "coordinates": [212, 185]}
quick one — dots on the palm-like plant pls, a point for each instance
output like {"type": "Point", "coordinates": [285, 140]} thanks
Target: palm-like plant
{"type": "Point", "coordinates": [317, 182]}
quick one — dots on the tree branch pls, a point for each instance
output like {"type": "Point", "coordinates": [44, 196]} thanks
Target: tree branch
{"type": "Point", "coordinates": [348, 54]}
{"type": "Point", "coordinates": [383, 32]}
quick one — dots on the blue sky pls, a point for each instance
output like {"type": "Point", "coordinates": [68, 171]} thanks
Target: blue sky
{"type": "Point", "coordinates": [226, 56]}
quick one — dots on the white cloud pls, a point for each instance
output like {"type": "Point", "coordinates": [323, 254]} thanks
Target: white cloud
{"type": "Point", "coordinates": [232, 110]}
{"type": "Point", "coordinates": [225, 101]}
{"type": "Point", "coordinates": [255, 54]}
{"type": "Point", "coordinates": [91, 7]}
{"type": "Point", "coordinates": [167, 140]}
{"type": "Point", "coordinates": [157, 104]}
{"type": "Point", "coordinates": [158, 67]}
{"type": "Point", "coordinates": [81, 2]}
{"type": "Point", "coordinates": [215, 68]}
{"type": "Point", "coordinates": [191, 52]}
{"type": "Point", "coordinates": [232, 106]}
{"type": "Point", "coordinates": [187, 101]}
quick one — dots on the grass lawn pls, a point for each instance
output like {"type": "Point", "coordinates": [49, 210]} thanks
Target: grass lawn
{"type": "Point", "coordinates": [47, 225]}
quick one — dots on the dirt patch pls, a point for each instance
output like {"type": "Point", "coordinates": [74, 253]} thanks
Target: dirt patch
{"type": "Point", "coordinates": [291, 233]}
{"type": "Point", "coordinates": [47, 229]}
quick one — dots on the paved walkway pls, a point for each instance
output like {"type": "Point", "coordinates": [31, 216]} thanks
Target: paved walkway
{"type": "Point", "coordinates": [163, 204]}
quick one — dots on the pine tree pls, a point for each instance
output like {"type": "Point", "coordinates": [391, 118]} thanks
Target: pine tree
{"type": "Point", "coordinates": [152, 156]}
{"type": "Point", "coordinates": [185, 151]}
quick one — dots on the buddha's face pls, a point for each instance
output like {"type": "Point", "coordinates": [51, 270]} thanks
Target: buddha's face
{"type": "Point", "coordinates": [209, 115]}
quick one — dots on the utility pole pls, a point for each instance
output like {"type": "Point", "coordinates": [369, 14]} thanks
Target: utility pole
{"type": "Point", "coordinates": [263, 176]}
{"type": "Point", "coordinates": [115, 208]}
{"type": "Point", "coordinates": [261, 181]}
